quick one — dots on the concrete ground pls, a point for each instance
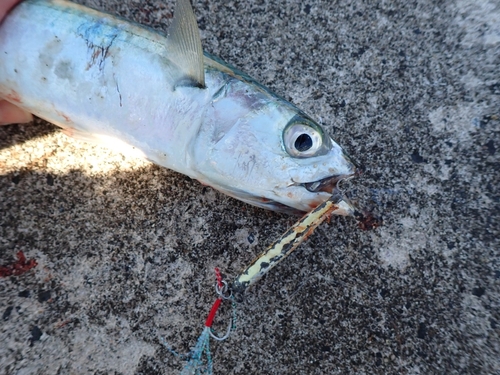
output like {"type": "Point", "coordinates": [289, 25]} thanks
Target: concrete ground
{"type": "Point", "coordinates": [126, 249]}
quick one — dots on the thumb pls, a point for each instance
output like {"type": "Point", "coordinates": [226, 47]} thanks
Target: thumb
{"type": "Point", "coordinates": [5, 6]}
{"type": "Point", "coordinates": [10, 114]}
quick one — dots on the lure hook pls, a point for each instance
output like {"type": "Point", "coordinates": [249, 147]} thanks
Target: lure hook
{"type": "Point", "coordinates": [228, 332]}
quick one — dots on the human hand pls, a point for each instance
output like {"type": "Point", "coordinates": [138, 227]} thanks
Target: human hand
{"type": "Point", "coordinates": [5, 6]}
{"type": "Point", "coordinates": [9, 113]}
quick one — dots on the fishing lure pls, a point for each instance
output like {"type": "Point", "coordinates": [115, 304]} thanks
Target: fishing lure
{"type": "Point", "coordinates": [199, 360]}
{"type": "Point", "coordinates": [288, 242]}
{"type": "Point", "coordinates": [107, 80]}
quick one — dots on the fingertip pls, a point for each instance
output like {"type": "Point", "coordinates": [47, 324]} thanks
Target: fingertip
{"type": "Point", "coordinates": [10, 114]}
{"type": "Point", "coordinates": [6, 6]}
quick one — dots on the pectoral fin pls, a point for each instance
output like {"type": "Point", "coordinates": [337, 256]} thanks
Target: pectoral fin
{"type": "Point", "coordinates": [185, 45]}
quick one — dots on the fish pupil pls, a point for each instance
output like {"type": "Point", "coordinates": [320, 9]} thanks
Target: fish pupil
{"type": "Point", "coordinates": [303, 142]}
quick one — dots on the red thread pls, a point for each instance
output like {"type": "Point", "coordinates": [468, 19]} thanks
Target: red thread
{"type": "Point", "coordinates": [213, 311]}
{"type": "Point", "coordinates": [215, 306]}
{"type": "Point", "coordinates": [218, 276]}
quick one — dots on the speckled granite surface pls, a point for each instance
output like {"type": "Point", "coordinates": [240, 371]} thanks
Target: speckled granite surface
{"type": "Point", "coordinates": [126, 250]}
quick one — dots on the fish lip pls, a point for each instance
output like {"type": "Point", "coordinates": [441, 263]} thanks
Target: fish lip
{"type": "Point", "coordinates": [326, 185]}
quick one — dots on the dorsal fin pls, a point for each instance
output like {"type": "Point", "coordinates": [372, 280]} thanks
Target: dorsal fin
{"type": "Point", "coordinates": [185, 45]}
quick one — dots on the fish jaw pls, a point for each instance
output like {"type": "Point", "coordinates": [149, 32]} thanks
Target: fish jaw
{"type": "Point", "coordinates": [271, 193]}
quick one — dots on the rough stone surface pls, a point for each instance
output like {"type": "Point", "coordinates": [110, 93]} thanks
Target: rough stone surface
{"type": "Point", "coordinates": [126, 249]}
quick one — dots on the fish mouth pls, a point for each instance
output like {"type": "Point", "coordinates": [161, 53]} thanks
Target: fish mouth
{"type": "Point", "coordinates": [326, 185]}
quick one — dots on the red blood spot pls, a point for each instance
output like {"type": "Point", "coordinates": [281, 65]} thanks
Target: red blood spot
{"type": "Point", "coordinates": [66, 117]}
{"type": "Point", "coordinates": [19, 267]}
{"type": "Point", "coordinates": [367, 221]}
{"type": "Point", "coordinates": [13, 96]}
{"type": "Point", "coordinates": [315, 203]}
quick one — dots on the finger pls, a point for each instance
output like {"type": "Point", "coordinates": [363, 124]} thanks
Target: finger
{"type": "Point", "coordinates": [10, 114]}
{"type": "Point", "coordinates": [5, 6]}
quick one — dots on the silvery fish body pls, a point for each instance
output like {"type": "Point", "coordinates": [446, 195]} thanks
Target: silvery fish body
{"type": "Point", "coordinates": [104, 79]}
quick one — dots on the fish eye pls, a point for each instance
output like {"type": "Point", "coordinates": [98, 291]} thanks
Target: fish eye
{"type": "Point", "coordinates": [303, 138]}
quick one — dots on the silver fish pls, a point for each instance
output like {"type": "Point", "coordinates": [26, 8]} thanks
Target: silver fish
{"type": "Point", "coordinates": [107, 80]}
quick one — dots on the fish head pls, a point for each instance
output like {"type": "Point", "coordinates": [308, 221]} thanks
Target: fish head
{"type": "Point", "coordinates": [259, 148]}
